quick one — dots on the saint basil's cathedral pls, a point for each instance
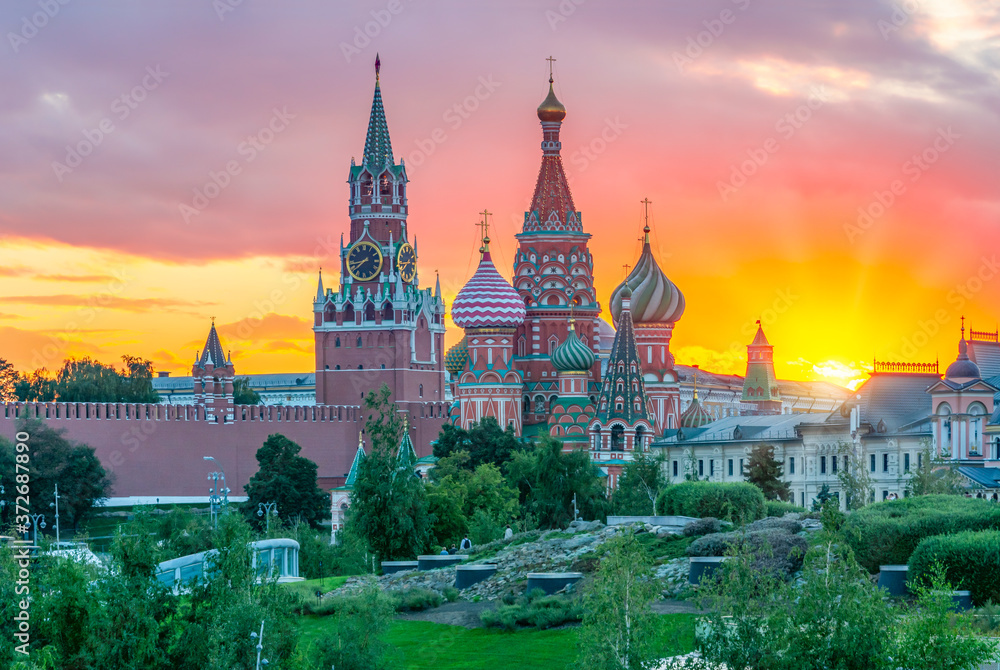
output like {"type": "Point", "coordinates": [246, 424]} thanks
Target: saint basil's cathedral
{"type": "Point", "coordinates": [530, 354]}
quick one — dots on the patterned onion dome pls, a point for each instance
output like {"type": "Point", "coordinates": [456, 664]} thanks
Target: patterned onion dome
{"type": "Point", "coordinates": [457, 357]}
{"type": "Point", "coordinates": [655, 299]}
{"type": "Point", "coordinates": [573, 355]}
{"type": "Point", "coordinates": [695, 416]}
{"type": "Point", "coordinates": [487, 300]}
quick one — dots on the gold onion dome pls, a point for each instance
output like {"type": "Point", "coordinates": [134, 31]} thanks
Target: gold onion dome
{"type": "Point", "coordinates": [551, 109]}
{"type": "Point", "coordinates": [457, 357]}
{"type": "Point", "coordinates": [572, 355]}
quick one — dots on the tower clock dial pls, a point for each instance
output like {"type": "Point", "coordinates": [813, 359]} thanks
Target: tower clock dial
{"type": "Point", "coordinates": [406, 261]}
{"type": "Point", "coordinates": [364, 261]}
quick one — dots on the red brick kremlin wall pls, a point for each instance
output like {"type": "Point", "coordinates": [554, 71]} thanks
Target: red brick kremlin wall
{"type": "Point", "coordinates": [158, 450]}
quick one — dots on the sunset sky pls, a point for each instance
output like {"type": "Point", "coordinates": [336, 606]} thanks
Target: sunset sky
{"type": "Point", "coordinates": [758, 129]}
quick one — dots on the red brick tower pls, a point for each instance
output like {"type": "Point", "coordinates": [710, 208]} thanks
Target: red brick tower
{"type": "Point", "coordinates": [552, 269]}
{"type": "Point", "coordinates": [378, 326]}
{"type": "Point", "coordinates": [214, 376]}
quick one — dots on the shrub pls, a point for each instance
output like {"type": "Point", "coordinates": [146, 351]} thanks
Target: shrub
{"type": "Point", "coordinates": [787, 525]}
{"type": "Point", "coordinates": [971, 561]}
{"type": "Point", "coordinates": [533, 610]}
{"type": "Point", "coordinates": [703, 527]}
{"type": "Point", "coordinates": [736, 501]}
{"type": "Point", "coordinates": [775, 550]}
{"type": "Point", "coordinates": [781, 508]}
{"type": "Point", "coordinates": [415, 599]}
{"type": "Point", "coordinates": [887, 533]}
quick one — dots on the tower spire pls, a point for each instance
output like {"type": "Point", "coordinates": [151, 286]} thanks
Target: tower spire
{"type": "Point", "coordinates": [646, 202]}
{"type": "Point", "coordinates": [320, 293]}
{"type": "Point", "coordinates": [378, 147]}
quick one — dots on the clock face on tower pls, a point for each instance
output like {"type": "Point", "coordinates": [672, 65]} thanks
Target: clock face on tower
{"type": "Point", "coordinates": [406, 261]}
{"type": "Point", "coordinates": [364, 261]}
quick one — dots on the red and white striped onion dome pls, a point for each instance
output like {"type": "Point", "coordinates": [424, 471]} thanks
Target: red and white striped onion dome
{"type": "Point", "coordinates": [487, 300]}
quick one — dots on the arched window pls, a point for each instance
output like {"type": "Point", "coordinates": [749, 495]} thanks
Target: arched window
{"type": "Point", "coordinates": [361, 367]}
{"type": "Point", "coordinates": [383, 366]}
{"type": "Point", "coordinates": [369, 312]}
{"type": "Point", "coordinates": [336, 367]}
{"type": "Point", "coordinates": [597, 438]}
{"type": "Point", "coordinates": [421, 391]}
{"type": "Point", "coordinates": [539, 404]}
{"type": "Point", "coordinates": [526, 405]}
{"type": "Point", "coordinates": [553, 343]}
{"type": "Point", "coordinates": [978, 412]}
{"type": "Point", "coordinates": [366, 185]}
{"type": "Point", "coordinates": [639, 435]}
{"type": "Point", "coordinates": [520, 346]}
{"type": "Point", "coordinates": [336, 343]}
{"type": "Point", "coordinates": [387, 313]}
{"type": "Point", "coordinates": [617, 436]}
{"type": "Point", "coordinates": [359, 342]}
{"type": "Point", "coordinates": [349, 314]}
{"type": "Point", "coordinates": [384, 185]}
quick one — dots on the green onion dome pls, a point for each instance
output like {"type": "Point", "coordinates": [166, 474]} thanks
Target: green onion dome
{"type": "Point", "coordinates": [695, 416]}
{"type": "Point", "coordinates": [573, 355]}
{"type": "Point", "coordinates": [457, 357]}
{"type": "Point", "coordinates": [655, 299]}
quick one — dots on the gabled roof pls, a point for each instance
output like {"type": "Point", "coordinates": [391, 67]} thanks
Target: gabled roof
{"type": "Point", "coordinates": [986, 477]}
{"type": "Point", "coordinates": [897, 398]}
{"type": "Point", "coordinates": [985, 354]}
{"type": "Point", "coordinates": [761, 428]}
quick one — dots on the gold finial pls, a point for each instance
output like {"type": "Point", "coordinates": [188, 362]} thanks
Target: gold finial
{"type": "Point", "coordinates": [695, 382]}
{"type": "Point", "coordinates": [627, 268]}
{"type": "Point", "coordinates": [406, 422]}
{"type": "Point", "coordinates": [551, 60]}
{"type": "Point", "coordinates": [571, 319]}
{"type": "Point", "coordinates": [378, 66]}
{"type": "Point", "coordinates": [646, 202]}
{"type": "Point", "coordinates": [213, 321]}
{"type": "Point", "coordinates": [361, 440]}
{"type": "Point", "coordinates": [484, 225]}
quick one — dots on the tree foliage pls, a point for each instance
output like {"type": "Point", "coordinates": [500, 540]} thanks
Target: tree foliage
{"type": "Point", "coordinates": [764, 471]}
{"type": "Point", "coordinates": [243, 394]}
{"type": "Point", "coordinates": [53, 459]}
{"type": "Point", "coordinates": [933, 475]}
{"type": "Point", "coordinates": [8, 379]}
{"type": "Point", "coordinates": [288, 479]}
{"type": "Point", "coordinates": [478, 502]}
{"type": "Point", "coordinates": [388, 503]}
{"type": "Point", "coordinates": [87, 380]}
{"type": "Point", "coordinates": [547, 479]}
{"type": "Point", "coordinates": [619, 627]}
{"type": "Point", "coordinates": [639, 485]}
{"type": "Point", "coordinates": [855, 479]}
{"type": "Point", "coordinates": [485, 442]}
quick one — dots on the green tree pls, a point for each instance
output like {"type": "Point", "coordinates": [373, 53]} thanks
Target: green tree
{"type": "Point", "coordinates": [39, 386]}
{"type": "Point", "coordinates": [358, 641]}
{"type": "Point", "coordinates": [765, 472]}
{"type": "Point", "coordinates": [641, 481]}
{"type": "Point", "coordinates": [821, 498]}
{"type": "Point", "coordinates": [855, 479]}
{"type": "Point", "coordinates": [485, 442]}
{"type": "Point", "coordinates": [75, 467]}
{"type": "Point", "coordinates": [243, 394]}
{"type": "Point", "coordinates": [136, 381]}
{"type": "Point", "coordinates": [446, 501]}
{"type": "Point", "coordinates": [388, 503]}
{"type": "Point", "coordinates": [288, 479]}
{"type": "Point", "coordinates": [933, 475]}
{"type": "Point", "coordinates": [547, 479]}
{"type": "Point", "coordinates": [619, 626]}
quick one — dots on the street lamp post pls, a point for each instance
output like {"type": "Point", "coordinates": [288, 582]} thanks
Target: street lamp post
{"type": "Point", "coordinates": [260, 645]}
{"type": "Point", "coordinates": [36, 521]}
{"type": "Point", "coordinates": [56, 505]}
{"type": "Point", "coordinates": [218, 496]}
{"type": "Point", "coordinates": [267, 509]}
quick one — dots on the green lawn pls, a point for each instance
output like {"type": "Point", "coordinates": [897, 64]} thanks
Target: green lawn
{"type": "Point", "coordinates": [308, 587]}
{"type": "Point", "coordinates": [420, 644]}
